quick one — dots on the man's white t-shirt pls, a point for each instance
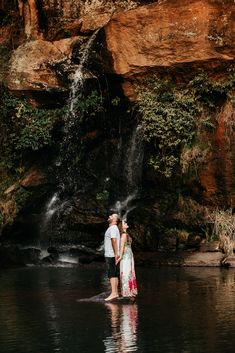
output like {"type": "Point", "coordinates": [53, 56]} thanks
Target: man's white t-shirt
{"type": "Point", "coordinates": [111, 232]}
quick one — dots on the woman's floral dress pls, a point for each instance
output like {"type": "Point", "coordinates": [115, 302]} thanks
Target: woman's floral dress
{"type": "Point", "coordinates": [127, 272]}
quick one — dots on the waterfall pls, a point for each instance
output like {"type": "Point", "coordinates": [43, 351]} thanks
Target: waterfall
{"type": "Point", "coordinates": [134, 160]}
{"type": "Point", "coordinates": [78, 79]}
{"type": "Point", "coordinates": [63, 166]}
{"type": "Point", "coordinates": [132, 170]}
{"type": "Point", "coordinates": [122, 174]}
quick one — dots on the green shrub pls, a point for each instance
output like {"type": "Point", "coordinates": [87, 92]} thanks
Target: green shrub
{"type": "Point", "coordinates": [210, 92]}
{"type": "Point", "coordinates": [102, 196]}
{"type": "Point", "coordinates": [90, 105]}
{"type": "Point", "coordinates": [168, 123]}
{"type": "Point", "coordinates": [23, 128]}
{"type": "Point", "coordinates": [173, 117]}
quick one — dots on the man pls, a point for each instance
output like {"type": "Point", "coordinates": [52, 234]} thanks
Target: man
{"type": "Point", "coordinates": [111, 253]}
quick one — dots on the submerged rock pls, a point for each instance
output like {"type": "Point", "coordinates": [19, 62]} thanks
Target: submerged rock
{"type": "Point", "coordinates": [100, 298]}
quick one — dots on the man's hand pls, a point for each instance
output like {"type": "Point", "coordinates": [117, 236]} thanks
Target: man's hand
{"type": "Point", "coordinates": [117, 259]}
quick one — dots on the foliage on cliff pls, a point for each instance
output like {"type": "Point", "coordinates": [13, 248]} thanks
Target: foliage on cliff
{"type": "Point", "coordinates": [24, 128]}
{"type": "Point", "coordinates": [173, 117]}
{"type": "Point", "coordinates": [25, 131]}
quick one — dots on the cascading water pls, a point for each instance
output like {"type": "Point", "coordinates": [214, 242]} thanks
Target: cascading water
{"type": "Point", "coordinates": [132, 170]}
{"type": "Point", "coordinates": [134, 160]}
{"type": "Point", "coordinates": [83, 171]}
{"type": "Point", "coordinates": [63, 169]}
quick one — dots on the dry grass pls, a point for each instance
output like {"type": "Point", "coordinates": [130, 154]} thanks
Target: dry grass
{"type": "Point", "coordinates": [223, 222]}
{"type": "Point", "coordinates": [192, 157]}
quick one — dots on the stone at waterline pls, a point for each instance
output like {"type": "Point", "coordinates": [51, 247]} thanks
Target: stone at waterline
{"type": "Point", "coordinates": [100, 298]}
{"type": "Point", "coordinates": [30, 256]}
{"type": "Point", "coordinates": [180, 259]}
{"type": "Point", "coordinates": [52, 258]}
{"type": "Point", "coordinates": [209, 247]}
{"type": "Point", "coordinates": [74, 255]}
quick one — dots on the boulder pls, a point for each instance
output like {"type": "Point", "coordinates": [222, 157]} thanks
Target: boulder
{"type": "Point", "coordinates": [31, 65]}
{"type": "Point", "coordinates": [165, 35]}
{"type": "Point", "coordinates": [208, 259]}
{"type": "Point", "coordinates": [33, 179]}
{"type": "Point", "coordinates": [69, 17]}
{"type": "Point", "coordinates": [181, 259]}
{"type": "Point", "coordinates": [209, 247]}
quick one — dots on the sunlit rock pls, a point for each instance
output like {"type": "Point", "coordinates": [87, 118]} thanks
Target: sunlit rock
{"type": "Point", "coordinates": [210, 247]}
{"type": "Point", "coordinates": [32, 179]}
{"type": "Point", "coordinates": [29, 12]}
{"type": "Point", "coordinates": [69, 17]}
{"type": "Point", "coordinates": [165, 35]}
{"type": "Point", "coordinates": [31, 65]}
{"type": "Point", "coordinates": [11, 189]}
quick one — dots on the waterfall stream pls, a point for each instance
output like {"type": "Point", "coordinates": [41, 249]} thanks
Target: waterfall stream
{"type": "Point", "coordinates": [63, 164]}
{"type": "Point", "coordinates": [127, 163]}
{"type": "Point", "coordinates": [132, 170]}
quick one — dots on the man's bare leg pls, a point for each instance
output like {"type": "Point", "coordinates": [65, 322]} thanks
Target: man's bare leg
{"type": "Point", "coordinates": [114, 288]}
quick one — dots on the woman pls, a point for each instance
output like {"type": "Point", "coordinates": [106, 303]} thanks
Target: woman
{"type": "Point", "coordinates": [127, 267]}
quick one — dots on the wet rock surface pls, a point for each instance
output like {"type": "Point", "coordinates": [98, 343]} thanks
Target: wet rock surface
{"type": "Point", "coordinates": [100, 298]}
{"type": "Point", "coordinates": [138, 40]}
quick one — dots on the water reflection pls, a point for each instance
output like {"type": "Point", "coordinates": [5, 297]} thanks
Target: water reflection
{"type": "Point", "coordinates": [124, 320]}
{"type": "Point", "coordinates": [178, 310]}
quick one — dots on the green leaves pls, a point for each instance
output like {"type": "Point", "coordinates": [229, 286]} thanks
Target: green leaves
{"type": "Point", "coordinates": [35, 134]}
{"type": "Point", "coordinates": [167, 119]}
{"type": "Point", "coordinates": [168, 115]}
{"type": "Point", "coordinates": [23, 127]}
{"type": "Point", "coordinates": [102, 196]}
{"type": "Point", "coordinates": [89, 106]}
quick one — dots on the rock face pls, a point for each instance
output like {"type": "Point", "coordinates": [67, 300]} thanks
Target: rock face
{"type": "Point", "coordinates": [217, 176]}
{"type": "Point", "coordinates": [165, 37]}
{"type": "Point", "coordinates": [31, 65]}
{"type": "Point", "coordinates": [196, 34]}
{"type": "Point", "coordinates": [170, 34]}
{"type": "Point", "coordinates": [29, 13]}
{"type": "Point", "coordinates": [175, 38]}
{"type": "Point", "coordinates": [32, 179]}
{"type": "Point", "coordinates": [53, 19]}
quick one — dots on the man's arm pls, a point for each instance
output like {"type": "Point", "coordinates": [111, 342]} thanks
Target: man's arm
{"type": "Point", "coordinates": [114, 245]}
{"type": "Point", "coordinates": [115, 249]}
{"type": "Point", "coordinates": [114, 240]}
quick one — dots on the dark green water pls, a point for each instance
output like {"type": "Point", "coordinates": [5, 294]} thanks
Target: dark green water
{"type": "Point", "coordinates": [189, 310]}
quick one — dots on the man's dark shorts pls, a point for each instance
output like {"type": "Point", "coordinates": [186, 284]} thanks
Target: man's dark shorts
{"type": "Point", "coordinates": [112, 268]}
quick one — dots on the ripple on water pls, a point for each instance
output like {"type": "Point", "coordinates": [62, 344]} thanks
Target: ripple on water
{"type": "Point", "coordinates": [178, 310]}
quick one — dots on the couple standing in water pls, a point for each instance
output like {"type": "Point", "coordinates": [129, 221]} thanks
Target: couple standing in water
{"type": "Point", "coordinates": [119, 259]}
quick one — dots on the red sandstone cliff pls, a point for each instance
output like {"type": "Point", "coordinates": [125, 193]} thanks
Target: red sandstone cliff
{"type": "Point", "coordinates": [176, 37]}
{"type": "Point", "coordinates": [170, 34]}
